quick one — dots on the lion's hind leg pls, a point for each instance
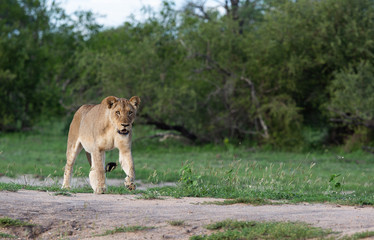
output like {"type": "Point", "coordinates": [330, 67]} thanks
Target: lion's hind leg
{"type": "Point", "coordinates": [89, 158]}
{"type": "Point", "coordinates": [73, 149]}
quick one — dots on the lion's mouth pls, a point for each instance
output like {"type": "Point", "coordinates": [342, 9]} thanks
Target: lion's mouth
{"type": "Point", "coordinates": [123, 131]}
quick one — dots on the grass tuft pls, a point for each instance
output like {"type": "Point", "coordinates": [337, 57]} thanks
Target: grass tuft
{"type": "Point", "coordinates": [9, 222]}
{"type": "Point", "coordinates": [150, 195]}
{"type": "Point", "coordinates": [362, 235]}
{"type": "Point", "coordinates": [230, 229]}
{"type": "Point", "coordinates": [176, 223]}
{"type": "Point", "coordinates": [63, 193]}
{"type": "Point", "coordinates": [6, 235]}
{"type": "Point", "coordinates": [126, 229]}
{"type": "Point", "coordinates": [230, 224]}
{"type": "Point", "coordinates": [245, 200]}
{"type": "Point", "coordinates": [11, 187]}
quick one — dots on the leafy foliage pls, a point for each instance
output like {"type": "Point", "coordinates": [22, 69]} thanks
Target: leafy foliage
{"type": "Point", "coordinates": [262, 71]}
{"type": "Point", "coordinates": [351, 93]}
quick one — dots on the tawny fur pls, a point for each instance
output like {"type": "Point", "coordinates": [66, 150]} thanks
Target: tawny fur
{"type": "Point", "coordinates": [99, 128]}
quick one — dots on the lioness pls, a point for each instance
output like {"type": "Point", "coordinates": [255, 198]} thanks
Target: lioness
{"type": "Point", "coordinates": [99, 128]}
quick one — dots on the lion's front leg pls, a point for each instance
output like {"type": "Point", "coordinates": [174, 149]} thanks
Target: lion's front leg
{"type": "Point", "coordinates": [127, 164]}
{"type": "Point", "coordinates": [97, 173]}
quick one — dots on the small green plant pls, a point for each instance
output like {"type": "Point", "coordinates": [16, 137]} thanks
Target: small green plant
{"type": "Point", "coordinates": [188, 179]}
{"type": "Point", "coordinates": [63, 193]}
{"type": "Point", "coordinates": [176, 223]}
{"type": "Point", "coordinates": [150, 195]}
{"type": "Point", "coordinates": [334, 183]}
{"type": "Point", "coordinates": [126, 229]}
{"type": "Point", "coordinates": [190, 184]}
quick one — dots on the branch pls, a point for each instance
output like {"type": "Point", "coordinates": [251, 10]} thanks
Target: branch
{"type": "Point", "coordinates": [257, 105]}
{"type": "Point", "coordinates": [200, 70]}
{"type": "Point", "coordinates": [163, 126]}
{"type": "Point", "coordinates": [217, 65]}
{"type": "Point", "coordinates": [253, 91]}
{"type": "Point", "coordinates": [162, 136]}
{"type": "Point", "coordinates": [347, 119]}
{"type": "Point", "coordinates": [226, 6]}
{"type": "Point", "coordinates": [200, 7]}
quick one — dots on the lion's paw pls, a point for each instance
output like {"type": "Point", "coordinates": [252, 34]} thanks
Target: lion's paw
{"type": "Point", "coordinates": [130, 186]}
{"type": "Point", "coordinates": [100, 190]}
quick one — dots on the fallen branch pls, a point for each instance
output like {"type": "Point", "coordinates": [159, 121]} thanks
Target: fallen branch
{"type": "Point", "coordinates": [162, 136]}
{"type": "Point", "coordinates": [351, 120]}
{"type": "Point", "coordinates": [163, 126]}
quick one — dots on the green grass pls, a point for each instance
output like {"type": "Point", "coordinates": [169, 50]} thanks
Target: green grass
{"type": "Point", "coordinates": [9, 222]}
{"type": "Point", "coordinates": [5, 235]}
{"type": "Point", "coordinates": [63, 193]}
{"type": "Point", "coordinates": [150, 195]}
{"type": "Point", "coordinates": [57, 189]}
{"type": "Point", "coordinates": [247, 200]}
{"type": "Point", "coordinates": [230, 229]}
{"type": "Point", "coordinates": [6, 222]}
{"type": "Point", "coordinates": [176, 223]}
{"type": "Point", "coordinates": [362, 235]}
{"type": "Point", "coordinates": [126, 229]}
{"type": "Point", "coordinates": [222, 171]}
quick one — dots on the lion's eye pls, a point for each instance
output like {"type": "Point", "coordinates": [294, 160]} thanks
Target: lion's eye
{"type": "Point", "coordinates": [118, 113]}
{"type": "Point", "coordinates": [130, 112]}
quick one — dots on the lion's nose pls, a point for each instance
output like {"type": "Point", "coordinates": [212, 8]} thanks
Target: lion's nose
{"type": "Point", "coordinates": [125, 125]}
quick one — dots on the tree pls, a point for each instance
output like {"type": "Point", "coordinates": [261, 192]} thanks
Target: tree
{"type": "Point", "coordinates": [37, 41]}
{"type": "Point", "coordinates": [352, 99]}
{"type": "Point", "coordinates": [263, 71]}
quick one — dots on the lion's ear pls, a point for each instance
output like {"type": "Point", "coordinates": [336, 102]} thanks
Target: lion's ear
{"type": "Point", "coordinates": [135, 101]}
{"type": "Point", "coordinates": [109, 101]}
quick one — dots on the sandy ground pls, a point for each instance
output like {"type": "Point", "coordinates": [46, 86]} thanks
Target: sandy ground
{"type": "Point", "coordinates": [84, 216]}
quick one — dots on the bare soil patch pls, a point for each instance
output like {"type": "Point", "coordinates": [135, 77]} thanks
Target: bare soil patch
{"type": "Point", "coordinates": [85, 216]}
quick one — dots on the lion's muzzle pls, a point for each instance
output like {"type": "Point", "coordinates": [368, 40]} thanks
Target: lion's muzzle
{"type": "Point", "coordinates": [125, 130]}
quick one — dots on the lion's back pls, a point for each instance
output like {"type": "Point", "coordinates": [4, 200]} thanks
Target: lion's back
{"type": "Point", "coordinates": [84, 109]}
{"type": "Point", "coordinates": [78, 116]}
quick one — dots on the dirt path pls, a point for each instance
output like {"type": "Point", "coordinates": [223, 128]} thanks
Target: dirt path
{"type": "Point", "coordinates": [84, 216]}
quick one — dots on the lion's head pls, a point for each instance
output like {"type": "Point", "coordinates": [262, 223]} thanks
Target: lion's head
{"type": "Point", "coordinates": [122, 112]}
